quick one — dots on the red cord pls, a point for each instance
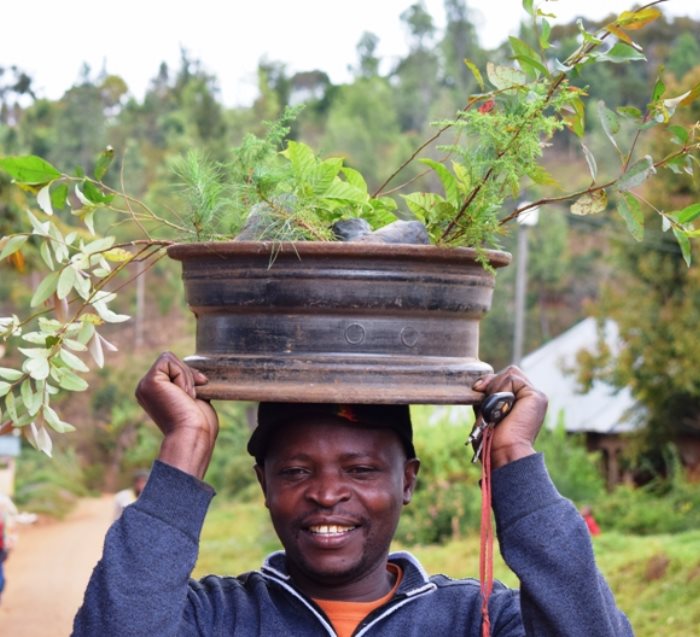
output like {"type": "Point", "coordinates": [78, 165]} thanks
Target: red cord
{"type": "Point", "coordinates": [486, 548]}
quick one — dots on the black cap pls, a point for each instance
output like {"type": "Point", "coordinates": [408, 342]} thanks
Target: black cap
{"type": "Point", "coordinates": [271, 416]}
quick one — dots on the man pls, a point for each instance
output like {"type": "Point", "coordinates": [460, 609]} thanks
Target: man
{"type": "Point", "coordinates": [335, 479]}
{"type": "Point", "coordinates": [125, 497]}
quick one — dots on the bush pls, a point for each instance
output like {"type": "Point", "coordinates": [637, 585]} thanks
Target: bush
{"type": "Point", "coordinates": [665, 505]}
{"type": "Point", "coordinates": [231, 469]}
{"type": "Point", "coordinates": [574, 470]}
{"type": "Point", "coordinates": [447, 500]}
{"type": "Point", "coordinates": [48, 486]}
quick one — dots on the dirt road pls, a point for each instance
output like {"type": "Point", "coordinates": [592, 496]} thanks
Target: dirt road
{"type": "Point", "coordinates": [49, 569]}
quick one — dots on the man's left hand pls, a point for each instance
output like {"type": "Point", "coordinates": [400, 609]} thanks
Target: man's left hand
{"type": "Point", "coordinates": [515, 435]}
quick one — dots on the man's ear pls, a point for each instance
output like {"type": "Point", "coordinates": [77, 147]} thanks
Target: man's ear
{"type": "Point", "coordinates": [260, 473]}
{"type": "Point", "coordinates": [410, 477]}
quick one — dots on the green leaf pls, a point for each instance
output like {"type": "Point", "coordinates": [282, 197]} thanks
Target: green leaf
{"type": "Point", "coordinates": [59, 196]}
{"type": "Point", "coordinates": [576, 119]}
{"type": "Point", "coordinates": [10, 374]}
{"type": "Point", "coordinates": [591, 203]}
{"type": "Point", "coordinates": [76, 346]}
{"type": "Point", "coordinates": [103, 162]}
{"type": "Point", "coordinates": [30, 399]}
{"type": "Point", "coordinates": [45, 253]}
{"type": "Point", "coordinates": [630, 112]}
{"type": "Point", "coordinates": [301, 158]}
{"type": "Point", "coordinates": [43, 198]}
{"type": "Point", "coordinates": [98, 245]}
{"type": "Point", "coordinates": [684, 244]}
{"type": "Point", "coordinates": [636, 174]}
{"type": "Point", "coordinates": [343, 191]}
{"type": "Point", "coordinates": [11, 407]}
{"type": "Point", "coordinates": [66, 379]}
{"type": "Point", "coordinates": [528, 5]}
{"type": "Point", "coordinates": [631, 212]}
{"type": "Point", "coordinates": [4, 388]}
{"type": "Point", "coordinates": [108, 315]}
{"type": "Point", "coordinates": [29, 169]}
{"type": "Point", "coordinates": [504, 77]}
{"type": "Point", "coordinates": [621, 53]}
{"type": "Point", "coordinates": [447, 179]}
{"type": "Point", "coordinates": [39, 228]}
{"type": "Point", "coordinates": [65, 283]}
{"type": "Point", "coordinates": [52, 419]}
{"type": "Point", "coordinates": [610, 123]}
{"type": "Point", "coordinates": [545, 34]}
{"type": "Point", "coordinates": [421, 204]}
{"type": "Point", "coordinates": [679, 134]}
{"type": "Point", "coordinates": [689, 214]}
{"type": "Point", "coordinates": [37, 368]}
{"type": "Point", "coordinates": [45, 289]}
{"type": "Point", "coordinates": [354, 178]}
{"type": "Point", "coordinates": [73, 361]}
{"type": "Point", "coordinates": [659, 89]}
{"type": "Point", "coordinates": [92, 192]}
{"type": "Point", "coordinates": [12, 245]}
{"type": "Point", "coordinates": [476, 73]}
{"type": "Point", "coordinates": [529, 58]}
{"type": "Point", "coordinates": [638, 18]}
{"type": "Point", "coordinates": [590, 160]}
{"type": "Point", "coordinates": [323, 175]}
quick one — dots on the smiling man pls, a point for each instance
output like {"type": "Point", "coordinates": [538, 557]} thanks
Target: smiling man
{"type": "Point", "coordinates": [335, 478]}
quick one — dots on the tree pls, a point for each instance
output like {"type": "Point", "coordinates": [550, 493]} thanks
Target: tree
{"type": "Point", "coordinates": [684, 54]}
{"type": "Point", "coordinates": [655, 300]}
{"type": "Point", "coordinates": [417, 75]}
{"type": "Point", "coordinates": [459, 43]}
{"type": "Point", "coordinates": [368, 62]}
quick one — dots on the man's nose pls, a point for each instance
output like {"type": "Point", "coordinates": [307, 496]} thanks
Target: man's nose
{"type": "Point", "coordinates": [328, 489]}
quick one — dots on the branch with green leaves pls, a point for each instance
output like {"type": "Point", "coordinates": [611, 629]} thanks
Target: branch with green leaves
{"type": "Point", "coordinates": [505, 130]}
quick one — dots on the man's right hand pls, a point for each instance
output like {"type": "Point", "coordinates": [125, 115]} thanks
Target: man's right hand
{"type": "Point", "coordinates": [190, 425]}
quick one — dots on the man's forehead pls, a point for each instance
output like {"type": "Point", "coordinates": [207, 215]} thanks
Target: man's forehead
{"type": "Point", "coordinates": [284, 421]}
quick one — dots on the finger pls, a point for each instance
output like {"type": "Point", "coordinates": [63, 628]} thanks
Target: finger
{"type": "Point", "coordinates": [179, 374]}
{"type": "Point", "coordinates": [199, 377]}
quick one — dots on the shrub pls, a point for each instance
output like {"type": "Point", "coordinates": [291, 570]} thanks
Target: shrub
{"type": "Point", "coordinates": [664, 505]}
{"type": "Point", "coordinates": [574, 470]}
{"type": "Point", "coordinates": [48, 486]}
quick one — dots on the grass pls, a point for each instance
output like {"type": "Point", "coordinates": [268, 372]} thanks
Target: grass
{"type": "Point", "coordinates": [656, 579]}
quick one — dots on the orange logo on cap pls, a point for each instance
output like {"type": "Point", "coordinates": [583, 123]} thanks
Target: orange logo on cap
{"type": "Point", "coordinates": [345, 411]}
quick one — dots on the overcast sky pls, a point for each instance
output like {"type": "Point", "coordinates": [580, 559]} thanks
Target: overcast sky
{"type": "Point", "coordinates": [51, 40]}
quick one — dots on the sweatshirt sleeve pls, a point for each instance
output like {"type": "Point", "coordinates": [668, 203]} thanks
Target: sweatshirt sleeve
{"type": "Point", "coordinates": [545, 541]}
{"type": "Point", "coordinates": [139, 586]}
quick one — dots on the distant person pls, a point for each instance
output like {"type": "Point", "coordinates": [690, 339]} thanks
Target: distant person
{"type": "Point", "coordinates": [125, 497]}
{"type": "Point", "coordinates": [587, 514]}
{"type": "Point", "coordinates": [8, 515]}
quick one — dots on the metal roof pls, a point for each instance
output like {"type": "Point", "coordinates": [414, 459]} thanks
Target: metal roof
{"type": "Point", "coordinates": [551, 368]}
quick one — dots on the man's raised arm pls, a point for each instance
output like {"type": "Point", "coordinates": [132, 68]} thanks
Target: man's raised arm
{"type": "Point", "coordinates": [140, 585]}
{"type": "Point", "coordinates": [541, 534]}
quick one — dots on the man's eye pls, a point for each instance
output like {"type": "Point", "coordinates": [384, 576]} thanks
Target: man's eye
{"type": "Point", "coordinates": [362, 470]}
{"type": "Point", "coordinates": [291, 472]}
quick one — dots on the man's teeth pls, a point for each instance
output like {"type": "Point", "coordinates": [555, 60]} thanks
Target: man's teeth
{"type": "Point", "coordinates": [330, 529]}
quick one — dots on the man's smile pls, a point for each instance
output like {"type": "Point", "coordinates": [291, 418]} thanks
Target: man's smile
{"type": "Point", "coordinates": [330, 529]}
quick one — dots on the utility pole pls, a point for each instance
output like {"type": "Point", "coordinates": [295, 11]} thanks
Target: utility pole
{"type": "Point", "coordinates": [525, 220]}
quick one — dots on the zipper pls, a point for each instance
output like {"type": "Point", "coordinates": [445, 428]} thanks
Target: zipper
{"type": "Point", "coordinates": [381, 613]}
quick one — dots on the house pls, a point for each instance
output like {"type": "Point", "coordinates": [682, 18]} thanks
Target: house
{"type": "Point", "coordinates": [601, 414]}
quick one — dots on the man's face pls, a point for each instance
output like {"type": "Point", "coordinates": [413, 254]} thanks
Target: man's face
{"type": "Point", "coordinates": [335, 494]}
